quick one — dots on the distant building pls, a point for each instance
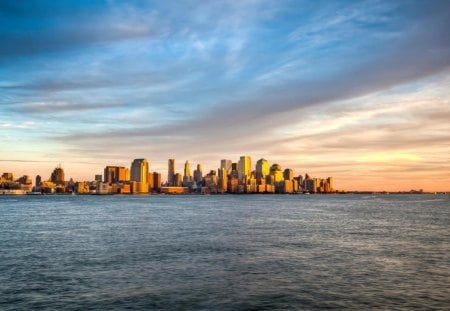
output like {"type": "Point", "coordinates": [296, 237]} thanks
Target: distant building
{"type": "Point", "coordinates": [139, 176]}
{"type": "Point", "coordinates": [8, 177]}
{"type": "Point", "coordinates": [98, 178]}
{"type": "Point", "coordinates": [262, 168]}
{"type": "Point", "coordinates": [170, 171]}
{"type": "Point", "coordinates": [139, 170]}
{"type": "Point", "coordinates": [113, 174]}
{"type": "Point", "coordinates": [198, 174]}
{"type": "Point", "coordinates": [156, 181]}
{"type": "Point", "coordinates": [288, 174]}
{"type": "Point", "coordinates": [57, 176]}
{"type": "Point", "coordinates": [226, 164]}
{"type": "Point", "coordinates": [177, 180]}
{"type": "Point", "coordinates": [277, 173]}
{"type": "Point", "coordinates": [245, 167]}
{"type": "Point", "coordinates": [187, 173]}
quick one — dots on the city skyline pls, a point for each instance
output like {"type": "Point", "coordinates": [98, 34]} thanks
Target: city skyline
{"type": "Point", "coordinates": [231, 177]}
{"type": "Point", "coordinates": [354, 90]}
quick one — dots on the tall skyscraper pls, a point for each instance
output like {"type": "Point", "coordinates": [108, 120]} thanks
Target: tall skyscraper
{"type": "Point", "coordinates": [198, 174]}
{"type": "Point", "coordinates": [57, 176]}
{"type": "Point", "coordinates": [187, 172]}
{"type": "Point", "coordinates": [245, 167]}
{"type": "Point", "coordinates": [288, 174]}
{"type": "Point", "coordinates": [262, 168]}
{"type": "Point", "coordinates": [226, 164]}
{"type": "Point", "coordinates": [171, 171]}
{"type": "Point", "coordinates": [139, 170]}
{"type": "Point", "coordinates": [156, 181]}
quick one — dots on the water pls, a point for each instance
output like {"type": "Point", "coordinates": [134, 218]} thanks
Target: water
{"type": "Point", "coordinates": [242, 252]}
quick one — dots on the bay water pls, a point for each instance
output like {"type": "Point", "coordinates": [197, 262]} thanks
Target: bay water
{"type": "Point", "coordinates": [225, 252]}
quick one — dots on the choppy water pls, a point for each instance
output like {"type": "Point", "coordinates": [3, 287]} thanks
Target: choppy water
{"type": "Point", "coordinates": [247, 252]}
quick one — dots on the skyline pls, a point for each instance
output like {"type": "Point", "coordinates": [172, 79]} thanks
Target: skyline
{"type": "Point", "coordinates": [353, 90]}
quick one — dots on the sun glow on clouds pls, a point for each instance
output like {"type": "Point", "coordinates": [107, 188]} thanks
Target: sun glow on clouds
{"type": "Point", "coordinates": [357, 91]}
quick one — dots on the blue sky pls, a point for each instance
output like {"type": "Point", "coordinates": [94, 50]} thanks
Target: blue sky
{"type": "Point", "coordinates": [356, 90]}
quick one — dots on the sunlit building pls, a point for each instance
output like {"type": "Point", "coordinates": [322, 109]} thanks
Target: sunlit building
{"type": "Point", "coordinates": [177, 180]}
{"type": "Point", "coordinates": [223, 179]}
{"type": "Point", "coordinates": [226, 164]}
{"type": "Point", "coordinates": [139, 170]}
{"type": "Point", "coordinates": [156, 181]}
{"type": "Point", "coordinates": [262, 168]}
{"type": "Point", "coordinates": [187, 173]}
{"type": "Point", "coordinates": [57, 176]}
{"type": "Point", "coordinates": [139, 176]}
{"type": "Point", "coordinates": [198, 174]}
{"type": "Point", "coordinates": [276, 172]}
{"type": "Point", "coordinates": [288, 174]}
{"type": "Point", "coordinates": [113, 174]}
{"type": "Point", "coordinates": [170, 172]}
{"type": "Point", "coordinates": [244, 167]}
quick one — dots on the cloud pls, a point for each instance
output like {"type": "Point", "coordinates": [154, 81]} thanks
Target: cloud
{"type": "Point", "coordinates": [50, 107]}
{"type": "Point", "coordinates": [68, 27]}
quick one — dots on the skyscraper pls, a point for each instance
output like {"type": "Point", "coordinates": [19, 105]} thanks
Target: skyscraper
{"type": "Point", "coordinates": [226, 164]}
{"type": "Point", "coordinates": [57, 176]}
{"type": "Point", "coordinates": [262, 168]}
{"type": "Point", "coordinates": [187, 172]}
{"type": "Point", "coordinates": [245, 167]}
{"type": "Point", "coordinates": [171, 172]}
{"type": "Point", "coordinates": [139, 170]}
{"type": "Point", "coordinates": [198, 174]}
{"type": "Point", "coordinates": [288, 174]}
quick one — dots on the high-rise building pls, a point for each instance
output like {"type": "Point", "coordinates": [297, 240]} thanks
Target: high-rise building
{"type": "Point", "coordinates": [198, 174]}
{"type": "Point", "coordinates": [98, 178]}
{"type": "Point", "coordinates": [226, 164]}
{"type": "Point", "coordinates": [37, 185]}
{"type": "Point", "coordinates": [245, 167]}
{"type": "Point", "coordinates": [276, 172]}
{"type": "Point", "coordinates": [187, 172]}
{"type": "Point", "coordinates": [330, 183]}
{"type": "Point", "coordinates": [57, 176]}
{"type": "Point", "coordinates": [177, 180]}
{"type": "Point", "coordinates": [156, 181]}
{"type": "Point", "coordinates": [288, 174]}
{"type": "Point", "coordinates": [113, 174]}
{"type": "Point", "coordinates": [171, 171]}
{"type": "Point", "coordinates": [150, 181]}
{"type": "Point", "coordinates": [139, 170]}
{"type": "Point", "coordinates": [262, 168]}
{"type": "Point", "coordinates": [223, 179]}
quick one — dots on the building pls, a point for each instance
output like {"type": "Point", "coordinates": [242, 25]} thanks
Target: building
{"type": "Point", "coordinates": [139, 176]}
{"type": "Point", "coordinates": [198, 174]}
{"type": "Point", "coordinates": [171, 171]}
{"type": "Point", "coordinates": [156, 181]}
{"type": "Point", "coordinates": [288, 174]}
{"type": "Point", "coordinates": [187, 173]}
{"type": "Point", "coordinates": [276, 172]}
{"type": "Point", "coordinates": [223, 179]}
{"type": "Point", "coordinates": [8, 177]}
{"type": "Point", "coordinates": [226, 164]}
{"type": "Point", "coordinates": [244, 167]}
{"type": "Point", "coordinates": [57, 176]}
{"type": "Point", "coordinates": [139, 170]}
{"type": "Point", "coordinates": [177, 180]}
{"type": "Point", "coordinates": [113, 174]}
{"type": "Point", "coordinates": [98, 178]}
{"type": "Point", "coordinates": [262, 168]}
{"type": "Point", "coordinates": [37, 185]}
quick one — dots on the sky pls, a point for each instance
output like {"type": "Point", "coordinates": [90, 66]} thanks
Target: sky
{"type": "Point", "coordinates": [357, 90]}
